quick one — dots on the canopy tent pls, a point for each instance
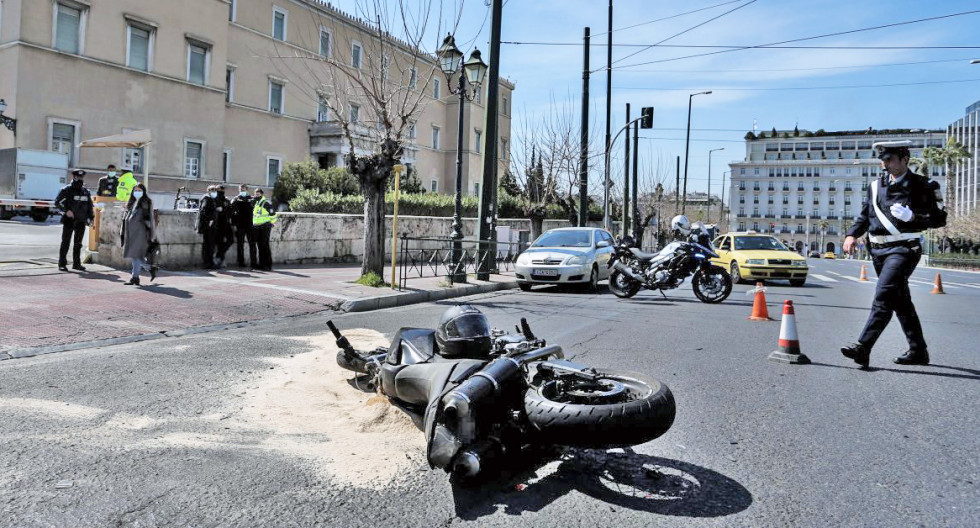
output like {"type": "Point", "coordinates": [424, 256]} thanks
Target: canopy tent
{"type": "Point", "coordinates": [135, 139]}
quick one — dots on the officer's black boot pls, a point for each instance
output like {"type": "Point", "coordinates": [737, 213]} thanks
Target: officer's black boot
{"type": "Point", "coordinates": [913, 357]}
{"type": "Point", "coordinates": [859, 353]}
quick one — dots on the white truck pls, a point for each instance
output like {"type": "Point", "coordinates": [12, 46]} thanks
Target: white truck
{"type": "Point", "coordinates": [30, 181]}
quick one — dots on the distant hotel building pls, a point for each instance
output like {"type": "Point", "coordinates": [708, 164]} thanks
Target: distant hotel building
{"type": "Point", "coordinates": [963, 176]}
{"type": "Point", "coordinates": [807, 189]}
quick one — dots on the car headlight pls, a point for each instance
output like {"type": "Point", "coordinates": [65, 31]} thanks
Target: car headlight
{"type": "Point", "coordinates": [799, 263]}
{"type": "Point", "coordinates": [524, 259]}
{"type": "Point", "coordinates": [756, 262]}
{"type": "Point", "coordinates": [575, 260]}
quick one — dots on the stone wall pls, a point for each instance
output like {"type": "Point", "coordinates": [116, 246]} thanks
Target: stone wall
{"type": "Point", "coordinates": [297, 238]}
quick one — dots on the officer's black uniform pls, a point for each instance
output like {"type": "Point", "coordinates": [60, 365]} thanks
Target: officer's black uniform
{"type": "Point", "coordinates": [895, 261]}
{"type": "Point", "coordinates": [221, 228]}
{"type": "Point", "coordinates": [77, 199]}
{"type": "Point", "coordinates": [241, 218]}
{"type": "Point", "coordinates": [205, 222]}
{"type": "Point", "coordinates": [107, 186]}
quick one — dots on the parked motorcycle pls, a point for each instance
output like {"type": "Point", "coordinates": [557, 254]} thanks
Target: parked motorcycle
{"type": "Point", "coordinates": [668, 269]}
{"type": "Point", "coordinates": [478, 394]}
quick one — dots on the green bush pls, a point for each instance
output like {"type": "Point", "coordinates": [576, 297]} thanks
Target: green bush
{"type": "Point", "coordinates": [309, 175]}
{"type": "Point", "coordinates": [425, 204]}
{"type": "Point", "coordinates": [372, 279]}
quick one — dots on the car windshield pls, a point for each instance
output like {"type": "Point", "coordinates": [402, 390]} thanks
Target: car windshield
{"type": "Point", "coordinates": [580, 239]}
{"type": "Point", "coordinates": [759, 242]}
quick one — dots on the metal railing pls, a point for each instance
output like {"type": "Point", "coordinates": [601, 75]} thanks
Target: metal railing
{"type": "Point", "coordinates": [420, 257]}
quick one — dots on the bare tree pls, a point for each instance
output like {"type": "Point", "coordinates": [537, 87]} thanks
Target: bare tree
{"type": "Point", "coordinates": [373, 93]}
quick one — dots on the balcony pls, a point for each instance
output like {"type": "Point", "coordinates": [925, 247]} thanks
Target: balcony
{"type": "Point", "coordinates": [800, 232]}
{"type": "Point", "coordinates": [784, 230]}
{"type": "Point", "coordinates": [800, 217]}
{"type": "Point", "coordinates": [770, 216]}
{"type": "Point", "coordinates": [832, 189]}
{"type": "Point", "coordinates": [831, 217]}
{"type": "Point", "coordinates": [741, 215]}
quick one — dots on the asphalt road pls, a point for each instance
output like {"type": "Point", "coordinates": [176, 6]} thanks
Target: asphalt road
{"type": "Point", "coordinates": [22, 239]}
{"type": "Point", "coordinates": [151, 434]}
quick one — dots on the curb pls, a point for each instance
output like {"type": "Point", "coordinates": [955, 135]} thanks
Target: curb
{"type": "Point", "coordinates": [381, 302]}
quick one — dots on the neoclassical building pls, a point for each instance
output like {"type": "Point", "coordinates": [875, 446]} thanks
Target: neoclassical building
{"type": "Point", "coordinates": [229, 89]}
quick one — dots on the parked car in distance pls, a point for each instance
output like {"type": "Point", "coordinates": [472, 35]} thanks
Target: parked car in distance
{"type": "Point", "coordinates": [829, 255]}
{"type": "Point", "coordinates": [754, 256]}
{"type": "Point", "coordinates": [814, 254]}
{"type": "Point", "coordinates": [567, 255]}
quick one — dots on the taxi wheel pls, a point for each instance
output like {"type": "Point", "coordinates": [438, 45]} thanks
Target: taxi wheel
{"type": "Point", "coordinates": [736, 276]}
{"type": "Point", "coordinates": [524, 286]}
{"type": "Point", "coordinates": [796, 283]}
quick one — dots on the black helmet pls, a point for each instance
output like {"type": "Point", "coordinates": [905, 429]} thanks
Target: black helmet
{"type": "Point", "coordinates": [463, 332]}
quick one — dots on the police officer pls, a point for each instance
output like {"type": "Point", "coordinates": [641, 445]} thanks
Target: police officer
{"type": "Point", "coordinates": [108, 183]}
{"type": "Point", "coordinates": [75, 202]}
{"type": "Point", "coordinates": [206, 216]}
{"type": "Point", "coordinates": [124, 187]}
{"type": "Point", "coordinates": [221, 228]}
{"type": "Point", "coordinates": [241, 218]}
{"type": "Point", "coordinates": [263, 217]}
{"type": "Point", "coordinates": [898, 208]}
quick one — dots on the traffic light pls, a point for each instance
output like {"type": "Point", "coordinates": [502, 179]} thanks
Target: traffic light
{"type": "Point", "coordinates": [647, 117]}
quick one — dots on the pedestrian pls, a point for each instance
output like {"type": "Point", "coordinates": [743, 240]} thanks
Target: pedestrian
{"type": "Point", "coordinates": [205, 222]}
{"type": "Point", "coordinates": [241, 217]}
{"type": "Point", "coordinates": [109, 182]}
{"type": "Point", "coordinates": [221, 228]}
{"type": "Point", "coordinates": [124, 187]}
{"type": "Point", "coordinates": [263, 218]}
{"type": "Point", "coordinates": [899, 206]}
{"type": "Point", "coordinates": [139, 230]}
{"type": "Point", "coordinates": [75, 202]}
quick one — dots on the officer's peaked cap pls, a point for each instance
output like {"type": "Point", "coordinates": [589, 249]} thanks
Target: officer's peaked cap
{"type": "Point", "coordinates": [78, 172]}
{"type": "Point", "coordinates": [898, 148]}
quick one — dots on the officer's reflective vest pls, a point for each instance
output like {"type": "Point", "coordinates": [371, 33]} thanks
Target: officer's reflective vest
{"type": "Point", "coordinates": [125, 186]}
{"type": "Point", "coordinates": [261, 214]}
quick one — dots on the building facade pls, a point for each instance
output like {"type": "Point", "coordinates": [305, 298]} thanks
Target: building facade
{"type": "Point", "coordinates": [230, 89]}
{"type": "Point", "coordinates": [965, 186]}
{"type": "Point", "coordinates": [807, 189]}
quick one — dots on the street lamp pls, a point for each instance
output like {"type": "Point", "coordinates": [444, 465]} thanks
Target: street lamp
{"type": "Point", "coordinates": [687, 145]}
{"type": "Point", "coordinates": [708, 219]}
{"type": "Point", "coordinates": [721, 209]}
{"type": "Point", "coordinates": [8, 122]}
{"type": "Point", "coordinates": [470, 73]}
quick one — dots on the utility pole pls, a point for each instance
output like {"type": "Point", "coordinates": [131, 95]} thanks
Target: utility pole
{"type": "Point", "coordinates": [626, 176]}
{"type": "Point", "coordinates": [708, 207]}
{"type": "Point", "coordinates": [677, 186]}
{"type": "Point", "coordinates": [488, 190]}
{"type": "Point", "coordinates": [636, 160]}
{"type": "Point", "coordinates": [609, 42]}
{"type": "Point", "coordinates": [583, 177]}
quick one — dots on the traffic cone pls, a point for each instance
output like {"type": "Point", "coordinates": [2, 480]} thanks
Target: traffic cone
{"type": "Point", "coordinates": [864, 273]}
{"type": "Point", "coordinates": [938, 288]}
{"type": "Point", "coordinates": [789, 341]}
{"type": "Point", "coordinates": [759, 310]}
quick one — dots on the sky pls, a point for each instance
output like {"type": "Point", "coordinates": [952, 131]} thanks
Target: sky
{"type": "Point", "coordinates": [928, 85]}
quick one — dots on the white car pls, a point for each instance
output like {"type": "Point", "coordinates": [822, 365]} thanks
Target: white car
{"type": "Point", "coordinates": [568, 255]}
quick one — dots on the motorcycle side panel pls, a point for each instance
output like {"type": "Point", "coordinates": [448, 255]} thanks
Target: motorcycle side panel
{"type": "Point", "coordinates": [411, 346]}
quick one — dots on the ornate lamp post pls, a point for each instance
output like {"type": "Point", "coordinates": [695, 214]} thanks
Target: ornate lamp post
{"type": "Point", "coordinates": [8, 122]}
{"type": "Point", "coordinates": [471, 74]}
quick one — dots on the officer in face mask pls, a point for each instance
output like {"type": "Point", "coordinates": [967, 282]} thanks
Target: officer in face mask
{"type": "Point", "coordinates": [108, 183]}
{"type": "Point", "coordinates": [206, 216]}
{"type": "Point", "coordinates": [221, 229]}
{"type": "Point", "coordinates": [75, 202]}
{"type": "Point", "coordinates": [241, 218]}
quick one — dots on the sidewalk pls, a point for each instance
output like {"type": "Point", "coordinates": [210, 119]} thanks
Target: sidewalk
{"type": "Point", "coordinates": [45, 310]}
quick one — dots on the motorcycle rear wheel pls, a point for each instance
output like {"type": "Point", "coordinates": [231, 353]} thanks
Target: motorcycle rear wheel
{"type": "Point", "coordinates": [622, 286]}
{"type": "Point", "coordinates": [701, 281]}
{"type": "Point", "coordinates": [618, 409]}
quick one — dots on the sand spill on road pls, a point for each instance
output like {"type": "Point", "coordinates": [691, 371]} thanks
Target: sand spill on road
{"type": "Point", "coordinates": [356, 437]}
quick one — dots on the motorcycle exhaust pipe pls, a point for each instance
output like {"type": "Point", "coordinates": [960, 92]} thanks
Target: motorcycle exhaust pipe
{"type": "Point", "coordinates": [625, 270]}
{"type": "Point", "coordinates": [468, 463]}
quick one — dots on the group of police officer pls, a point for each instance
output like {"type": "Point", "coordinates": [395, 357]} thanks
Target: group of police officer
{"type": "Point", "coordinates": [247, 219]}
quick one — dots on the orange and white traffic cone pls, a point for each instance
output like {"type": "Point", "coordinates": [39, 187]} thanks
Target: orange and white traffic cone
{"type": "Point", "coordinates": [789, 341]}
{"type": "Point", "coordinates": [759, 310]}
{"type": "Point", "coordinates": [864, 273]}
{"type": "Point", "coordinates": [938, 287]}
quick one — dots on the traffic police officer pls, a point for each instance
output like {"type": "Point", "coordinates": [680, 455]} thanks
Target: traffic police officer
{"type": "Point", "coordinates": [898, 208]}
{"type": "Point", "coordinates": [75, 202]}
{"type": "Point", "coordinates": [108, 183]}
{"type": "Point", "coordinates": [124, 188]}
{"type": "Point", "coordinates": [263, 217]}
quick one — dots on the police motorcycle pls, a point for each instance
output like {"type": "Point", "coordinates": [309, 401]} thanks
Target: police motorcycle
{"type": "Point", "coordinates": [668, 269]}
{"type": "Point", "coordinates": [479, 394]}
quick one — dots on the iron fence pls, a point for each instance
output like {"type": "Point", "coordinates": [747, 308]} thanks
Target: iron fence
{"type": "Point", "coordinates": [432, 257]}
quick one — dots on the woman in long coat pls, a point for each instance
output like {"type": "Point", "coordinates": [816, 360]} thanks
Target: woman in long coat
{"type": "Point", "coordinates": [140, 230]}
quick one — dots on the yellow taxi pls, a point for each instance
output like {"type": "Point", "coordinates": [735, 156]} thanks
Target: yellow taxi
{"type": "Point", "coordinates": [752, 256]}
{"type": "Point", "coordinates": [829, 255]}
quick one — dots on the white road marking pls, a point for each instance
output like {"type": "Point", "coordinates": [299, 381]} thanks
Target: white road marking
{"type": "Point", "coordinates": [931, 284]}
{"type": "Point", "coordinates": [260, 285]}
{"type": "Point", "coordinates": [823, 277]}
{"type": "Point", "coordinates": [961, 284]}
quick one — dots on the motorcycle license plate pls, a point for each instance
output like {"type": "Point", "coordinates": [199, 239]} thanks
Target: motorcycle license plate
{"type": "Point", "coordinates": [546, 272]}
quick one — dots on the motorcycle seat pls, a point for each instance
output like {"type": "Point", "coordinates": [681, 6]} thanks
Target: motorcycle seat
{"type": "Point", "coordinates": [643, 256]}
{"type": "Point", "coordinates": [417, 384]}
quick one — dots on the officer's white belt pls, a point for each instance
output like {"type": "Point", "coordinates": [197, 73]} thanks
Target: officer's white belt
{"type": "Point", "coordinates": [884, 239]}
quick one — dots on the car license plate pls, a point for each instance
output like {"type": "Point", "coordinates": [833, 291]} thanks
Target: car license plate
{"type": "Point", "coordinates": [546, 272]}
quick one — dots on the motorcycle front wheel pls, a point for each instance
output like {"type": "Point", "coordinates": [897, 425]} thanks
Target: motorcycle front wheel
{"type": "Point", "coordinates": [622, 286]}
{"type": "Point", "coordinates": [616, 409]}
{"type": "Point", "coordinates": [712, 285]}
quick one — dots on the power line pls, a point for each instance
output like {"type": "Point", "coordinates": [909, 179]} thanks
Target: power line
{"type": "Point", "coordinates": [836, 34]}
{"type": "Point", "coordinates": [767, 70]}
{"type": "Point", "coordinates": [692, 28]}
{"type": "Point", "coordinates": [841, 87]}
{"type": "Point", "coordinates": [667, 18]}
{"type": "Point", "coordinates": [730, 47]}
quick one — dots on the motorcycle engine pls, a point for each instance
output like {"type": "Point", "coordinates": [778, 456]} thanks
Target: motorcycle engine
{"type": "Point", "coordinates": [661, 276]}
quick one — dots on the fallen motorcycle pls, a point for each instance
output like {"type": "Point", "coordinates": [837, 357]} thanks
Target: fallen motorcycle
{"type": "Point", "coordinates": [478, 394]}
{"type": "Point", "coordinates": [633, 269]}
